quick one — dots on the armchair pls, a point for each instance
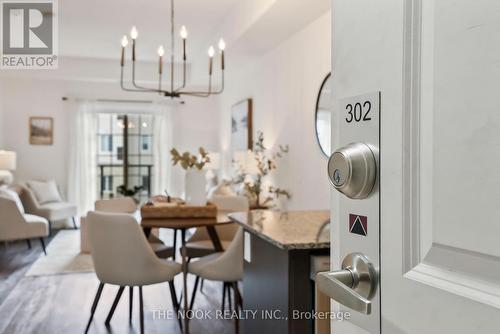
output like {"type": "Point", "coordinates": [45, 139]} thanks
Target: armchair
{"type": "Point", "coordinates": [52, 211]}
{"type": "Point", "coordinates": [16, 225]}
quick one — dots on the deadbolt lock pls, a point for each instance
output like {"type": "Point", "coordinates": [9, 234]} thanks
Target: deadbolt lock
{"type": "Point", "coordinates": [352, 170]}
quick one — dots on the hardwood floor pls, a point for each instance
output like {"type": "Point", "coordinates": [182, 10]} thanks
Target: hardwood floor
{"type": "Point", "coordinates": [61, 303]}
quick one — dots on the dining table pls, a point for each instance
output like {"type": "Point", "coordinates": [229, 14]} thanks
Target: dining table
{"type": "Point", "coordinates": [150, 221]}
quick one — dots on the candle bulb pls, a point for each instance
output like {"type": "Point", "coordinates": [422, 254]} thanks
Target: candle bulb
{"type": "Point", "coordinates": [183, 33]}
{"type": "Point", "coordinates": [161, 52]}
{"type": "Point", "coordinates": [222, 46]}
{"type": "Point", "coordinates": [133, 35]}
{"type": "Point", "coordinates": [124, 43]}
{"type": "Point", "coordinates": [211, 53]}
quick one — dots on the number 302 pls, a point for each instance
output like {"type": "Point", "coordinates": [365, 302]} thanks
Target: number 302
{"type": "Point", "coordinates": [359, 112]}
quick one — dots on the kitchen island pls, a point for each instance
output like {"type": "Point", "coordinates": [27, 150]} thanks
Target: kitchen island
{"type": "Point", "coordinates": [278, 292]}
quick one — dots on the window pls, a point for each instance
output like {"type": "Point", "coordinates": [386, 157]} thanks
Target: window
{"type": "Point", "coordinates": [125, 155]}
{"type": "Point", "coordinates": [106, 143]}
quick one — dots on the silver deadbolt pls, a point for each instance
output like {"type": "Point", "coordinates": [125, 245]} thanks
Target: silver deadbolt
{"type": "Point", "coordinates": [354, 286]}
{"type": "Point", "coordinates": [352, 170]}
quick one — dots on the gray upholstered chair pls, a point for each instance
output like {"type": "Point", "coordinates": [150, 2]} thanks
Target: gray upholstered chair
{"type": "Point", "coordinates": [17, 225]}
{"type": "Point", "coordinates": [53, 210]}
{"type": "Point", "coordinates": [123, 257]}
{"type": "Point", "coordinates": [226, 267]}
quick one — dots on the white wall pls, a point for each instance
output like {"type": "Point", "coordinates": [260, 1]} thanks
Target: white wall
{"type": "Point", "coordinates": [25, 96]}
{"type": "Point", "coordinates": [283, 85]}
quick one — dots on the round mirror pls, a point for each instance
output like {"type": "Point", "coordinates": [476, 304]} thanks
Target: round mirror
{"type": "Point", "coordinates": [324, 116]}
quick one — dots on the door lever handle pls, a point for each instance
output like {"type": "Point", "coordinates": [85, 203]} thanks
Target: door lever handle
{"type": "Point", "coordinates": [338, 286]}
{"type": "Point", "coordinates": [353, 286]}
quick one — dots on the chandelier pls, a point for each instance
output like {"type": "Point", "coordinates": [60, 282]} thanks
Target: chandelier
{"type": "Point", "coordinates": [172, 92]}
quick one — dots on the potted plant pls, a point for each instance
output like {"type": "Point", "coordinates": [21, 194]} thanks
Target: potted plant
{"type": "Point", "coordinates": [261, 194]}
{"type": "Point", "coordinates": [195, 181]}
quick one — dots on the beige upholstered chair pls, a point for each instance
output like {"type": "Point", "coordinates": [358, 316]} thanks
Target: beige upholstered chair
{"type": "Point", "coordinates": [127, 205]}
{"type": "Point", "coordinates": [116, 205]}
{"type": "Point", "coordinates": [16, 225]}
{"type": "Point", "coordinates": [225, 267]}
{"type": "Point", "coordinates": [123, 257]}
{"type": "Point", "coordinates": [200, 244]}
{"type": "Point", "coordinates": [52, 211]}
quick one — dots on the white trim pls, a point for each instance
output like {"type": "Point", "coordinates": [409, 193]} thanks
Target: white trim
{"type": "Point", "coordinates": [471, 275]}
{"type": "Point", "coordinates": [456, 283]}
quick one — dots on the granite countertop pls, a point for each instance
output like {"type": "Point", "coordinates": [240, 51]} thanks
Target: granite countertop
{"type": "Point", "coordinates": [288, 230]}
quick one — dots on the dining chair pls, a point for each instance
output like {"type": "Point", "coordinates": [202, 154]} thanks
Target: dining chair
{"type": "Point", "coordinates": [200, 243]}
{"type": "Point", "coordinates": [122, 256]}
{"type": "Point", "coordinates": [127, 205]}
{"type": "Point", "coordinates": [226, 267]}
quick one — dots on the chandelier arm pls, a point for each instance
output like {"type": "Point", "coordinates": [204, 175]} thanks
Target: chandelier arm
{"type": "Point", "coordinates": [205, 94]}
{"type": "Point", "coordinates": [152, 90]}
{"type": "Point", "coordinates": [201, 94]}
{"type": "Point", "coordinates": [159, 83]}
{"type": "Point", "coordinates": [122, 85]}
{"type": "Point", "coordinates": [183, 77]}
{"type": "Point", "coordinates": [222, 85]}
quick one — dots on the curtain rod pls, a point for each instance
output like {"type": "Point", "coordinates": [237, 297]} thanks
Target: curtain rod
{"type": "Point", "coordinates": [65, 98]}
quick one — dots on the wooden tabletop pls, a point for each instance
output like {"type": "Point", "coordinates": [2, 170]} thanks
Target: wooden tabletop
{"type": "Point", "coordinates": [222, 218]}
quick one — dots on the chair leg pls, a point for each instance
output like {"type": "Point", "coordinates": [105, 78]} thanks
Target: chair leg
{"type": "Point", "coordinates": [238, 300]}
{"type": "Point", "coordinates": [175, 303]}
{"type": "Point", "coordinates": [175, 243]}
{"type": "Point", "coordinates": [94, 306]}
{"type": "Point", "coordinates": [43, 246]}
{"type": "Point", "coordinates": [194, 292]}
{"type": "Point", "coordinates": [131, 302]}
{"type": "Point", "coordinates": [74, 223]}
{"type": "Point", "coordinates": [229, 298]}
{"type": "Point", "coordinates": [28, 241]}
{"type": "Point", "coordinates": [113, 307]}
{"type": "Point", "coordinates": [50, 228]}
{"type": "Point", "coordinates": [141, 310]}
{"type": "Point", "coordinates": [223, 296]}
{"type": "Point", "coordinates": [237, 304]}
{"type": "Point", "coordinates": [202, 283]}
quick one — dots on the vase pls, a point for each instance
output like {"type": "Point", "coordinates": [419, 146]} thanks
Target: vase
{"type": "Point", "coordinates": [195, 184]}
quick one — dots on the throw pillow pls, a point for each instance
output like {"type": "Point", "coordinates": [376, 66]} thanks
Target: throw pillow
{"type": "Point", "coordinates": [45, 192]}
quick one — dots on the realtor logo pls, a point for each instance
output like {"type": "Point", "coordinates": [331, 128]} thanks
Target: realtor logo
{"type": "Point", "coordinates": [29, 34]}
{"type": "Point", "coordinates": [358, 224]}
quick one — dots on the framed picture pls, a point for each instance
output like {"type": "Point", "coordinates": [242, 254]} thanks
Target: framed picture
{"type": "Point", "coordinates": [41, 130]}
{"type": "Point", "coordinates": [241, 126]}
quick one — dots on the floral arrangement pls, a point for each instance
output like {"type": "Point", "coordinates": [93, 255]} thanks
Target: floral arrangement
{"type": "Point", "coordinates": [266, 162]}
{"type": "Point", "coordinates": [188, 160]}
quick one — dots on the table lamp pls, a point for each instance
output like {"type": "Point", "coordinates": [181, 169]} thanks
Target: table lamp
{"type": "Point", "coordinates": [7, 164]}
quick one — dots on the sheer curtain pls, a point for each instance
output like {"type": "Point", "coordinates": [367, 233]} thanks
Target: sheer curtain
{"type": "Point", "coordinates": [162, 144]}
{"type": "Point", "coordinates": [82, 185]}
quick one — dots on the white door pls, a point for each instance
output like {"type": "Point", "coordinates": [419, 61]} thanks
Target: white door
{"type": "Point", "coordinates": [433, 235]}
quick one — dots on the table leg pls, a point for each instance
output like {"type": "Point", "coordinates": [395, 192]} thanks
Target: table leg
{"type": "Point", "coordinates": [147, 231]}
{"type": "Point", "coordinates": [184, 280]}
{"type": "Point", "coordinates": [215, 238]}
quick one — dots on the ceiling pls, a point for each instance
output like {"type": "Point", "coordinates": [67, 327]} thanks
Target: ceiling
{"type": "Point", "coordinates": [93, 28]}
{"type": "Point", "coordinates": [90, 32]}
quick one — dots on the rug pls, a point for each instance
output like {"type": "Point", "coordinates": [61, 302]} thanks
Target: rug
{"type": "Point", "coordinates": [63, 257]}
